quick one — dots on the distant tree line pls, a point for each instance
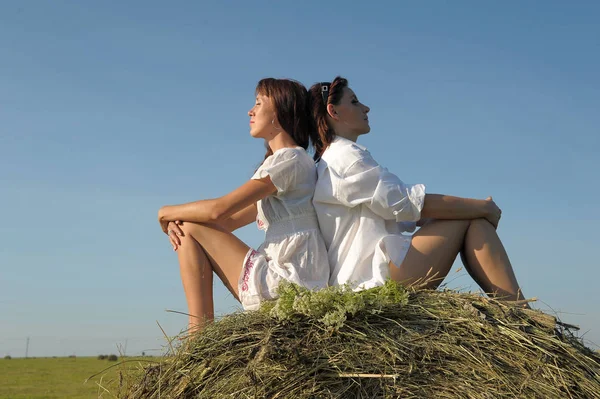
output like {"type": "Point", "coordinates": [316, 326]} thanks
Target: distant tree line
{"type": "Point", "coordinates": [112, 358]}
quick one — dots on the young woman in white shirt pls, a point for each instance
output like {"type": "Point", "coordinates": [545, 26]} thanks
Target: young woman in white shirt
{"type": "Point", "coordinates": [363, 209]}
{"type": "Point", "coordinates": [278, 197]}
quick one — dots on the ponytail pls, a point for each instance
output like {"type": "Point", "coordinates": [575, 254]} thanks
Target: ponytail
{"type": "Point", "coordinates": [320, 95]}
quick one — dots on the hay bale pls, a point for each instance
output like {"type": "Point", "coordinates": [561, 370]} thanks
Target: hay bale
{"type": "Point", "coordinates": [382, 343]}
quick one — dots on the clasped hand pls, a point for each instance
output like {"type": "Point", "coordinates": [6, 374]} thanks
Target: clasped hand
{"type": "Point", "coordinates": [172, 229]}
{"type": "Point", "coordinates": [493, 212]}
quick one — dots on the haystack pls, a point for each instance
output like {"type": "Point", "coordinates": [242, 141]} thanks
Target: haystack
{"type": "Point", "coordinates": [387, 342]}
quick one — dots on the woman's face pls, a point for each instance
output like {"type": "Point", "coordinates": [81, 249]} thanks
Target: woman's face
{"type": "Point", "coordinates": [262, 118]}
{"type": "Point", "coordinates": [350, 115]}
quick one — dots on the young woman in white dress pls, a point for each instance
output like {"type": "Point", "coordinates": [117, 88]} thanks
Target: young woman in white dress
{"type": "Point", "coordinates": [278, 197]}
{"type": "Point", "coordinates": [363, 209]}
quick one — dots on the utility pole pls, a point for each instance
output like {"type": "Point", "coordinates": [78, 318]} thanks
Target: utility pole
{"type": "Point", "coordinates": [27, 349]}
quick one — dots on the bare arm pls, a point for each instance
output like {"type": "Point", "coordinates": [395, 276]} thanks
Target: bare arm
{"type": "Point", "coordinates": [439, 206]}
{"type": "Point", "coordinates": [219, 209]}
{"type": "Point", "coordinates": [241, 218]}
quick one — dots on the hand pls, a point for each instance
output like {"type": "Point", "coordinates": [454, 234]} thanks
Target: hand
{"type": "Point", "coordinates": [492, 212]}
{"type": "Point", "coordinates": [164, 225]}
{"type": "Point", "coordinates": [162, 220]}
{"type": "Point", "coordinates": [174, 232]}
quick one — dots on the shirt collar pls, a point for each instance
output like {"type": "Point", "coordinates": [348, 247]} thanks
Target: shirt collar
{"type": "Point", "coordinates": [345, 141]}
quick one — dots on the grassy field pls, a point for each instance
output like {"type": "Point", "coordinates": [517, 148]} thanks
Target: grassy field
{"type": "Point", "coordinates": [62, 377]}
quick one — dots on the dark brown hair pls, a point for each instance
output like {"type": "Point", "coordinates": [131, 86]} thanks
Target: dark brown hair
{"type": "Point", "coordinates": [318, 109]}
{"type": "Point", "coordinates": [290, 100]}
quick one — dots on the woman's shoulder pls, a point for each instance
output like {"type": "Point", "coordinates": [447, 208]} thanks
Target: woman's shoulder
{"type": "Point", "coordinates": [341, 154]}
{"type": "Point", "coordinates": [289, 153]}
{"type": "Point", "coordinates": [282, 155]}
{"type": "Point", "coordinates": [285, 166]}
{"type": "Point", "coordinates": [289, 158]}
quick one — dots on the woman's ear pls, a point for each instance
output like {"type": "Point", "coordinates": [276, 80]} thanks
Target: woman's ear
{"type": "Point", "coordinates": [275, 122]}
{"type": "Point", "coordinates": [332, 112]}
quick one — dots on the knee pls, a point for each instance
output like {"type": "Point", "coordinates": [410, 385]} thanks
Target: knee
{"type": "Point", "coordinates": [196, 230]}
{"type": "Point", "coordinates": [188, 229]}
{"type": "Point", "coordinates": [481, 228]}
{"type": "Point", "coordinates": [458, 224]}
{"type": "Point", "coordinates": [185, 227]}
{"type": "Point", "coordinates": [481, 223]}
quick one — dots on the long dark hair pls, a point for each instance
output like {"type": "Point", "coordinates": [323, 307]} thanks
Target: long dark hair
{"type": "Point", "coordinates": [290, 99]}
{"type": "Point", "coordinates": [318, 107]}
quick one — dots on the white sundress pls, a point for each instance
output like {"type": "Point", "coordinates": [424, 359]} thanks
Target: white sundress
{"type": "Point", "coordinates": [293, 249]}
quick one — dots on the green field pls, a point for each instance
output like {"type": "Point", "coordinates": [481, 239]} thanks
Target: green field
{"type": "Point", "coordinates": [63, 377]}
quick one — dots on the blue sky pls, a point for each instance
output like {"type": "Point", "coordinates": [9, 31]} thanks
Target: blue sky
{"type": "Point", "coordinates": [109, 110]}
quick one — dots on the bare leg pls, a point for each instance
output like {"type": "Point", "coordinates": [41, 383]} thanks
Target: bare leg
{"type": "Point", "coordinates": [487, 262]}
{"type": "Point", "coordinates": [435, 246]}
{"type": "Point", "coordinates": [197, 278]}
{"type": "Point", "coordinates": [206, 248]}
{"type": "Point", "coordinates": [432, 252]}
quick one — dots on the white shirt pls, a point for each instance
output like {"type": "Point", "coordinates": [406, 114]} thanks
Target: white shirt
{"type": "Point", "coordinates": [293, 249]}
{"type": "Point", "coordinates": [363, 210]}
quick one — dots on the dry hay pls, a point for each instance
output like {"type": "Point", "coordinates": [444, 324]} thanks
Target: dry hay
{"type": "Point", "coordinates": [382, 343]}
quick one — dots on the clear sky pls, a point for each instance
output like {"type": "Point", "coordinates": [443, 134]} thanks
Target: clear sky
{"type": "Point", "coordinates": [109, 110]}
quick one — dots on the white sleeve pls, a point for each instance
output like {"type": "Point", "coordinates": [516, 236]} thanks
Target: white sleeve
{"type": "Point", "coordinates": [281, 167]}
{"type": "Point", "coordinates": [367, 182]}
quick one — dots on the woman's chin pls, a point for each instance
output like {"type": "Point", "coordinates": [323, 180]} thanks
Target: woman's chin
{"type": "Point", "coordinates": [255, 134]}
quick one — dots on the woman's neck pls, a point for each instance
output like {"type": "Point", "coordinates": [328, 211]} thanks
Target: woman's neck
{"type": "Point", "coordinates": [281, 140]}
{"type": "Point", "coordinates": [347, 135]}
